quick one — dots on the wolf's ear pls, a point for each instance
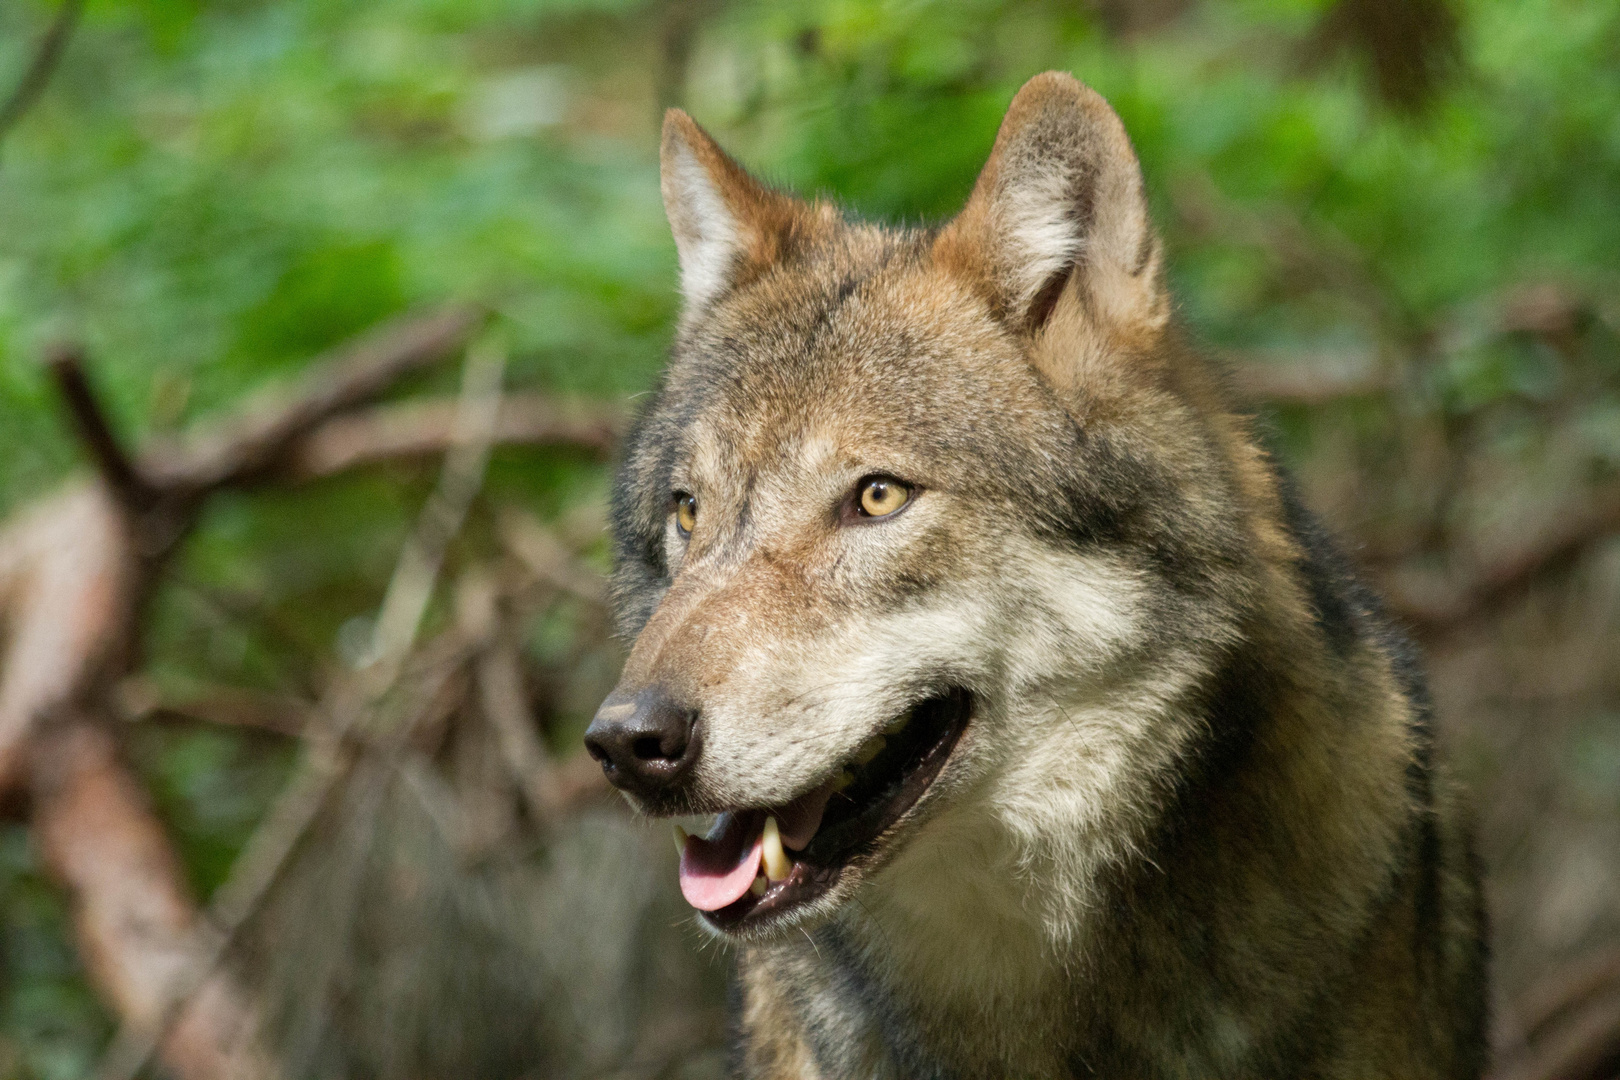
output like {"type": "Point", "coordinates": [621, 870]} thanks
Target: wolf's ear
{"type": "Point", "coordinates": [1060, 201]}
{"type": "Point", "coordinates": [727, 225]}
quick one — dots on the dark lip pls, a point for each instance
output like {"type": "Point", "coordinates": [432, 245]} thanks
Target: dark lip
{"type": "Point", "coordinates": [851, 836]}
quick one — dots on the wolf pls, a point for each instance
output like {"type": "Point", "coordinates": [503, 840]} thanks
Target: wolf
{"type": "Point", "coordinates": [1047, 733]}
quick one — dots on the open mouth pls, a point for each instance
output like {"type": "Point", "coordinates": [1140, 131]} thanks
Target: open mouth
{"type": "Point", "coordinates": [760, 863]}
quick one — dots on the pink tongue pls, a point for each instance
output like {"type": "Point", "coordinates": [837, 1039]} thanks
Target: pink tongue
{"type": "Point", "coordinates": [716, 872]}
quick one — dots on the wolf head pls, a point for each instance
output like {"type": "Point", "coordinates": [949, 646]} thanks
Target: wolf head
{"type": "Point", "coordinates": [926, 531]}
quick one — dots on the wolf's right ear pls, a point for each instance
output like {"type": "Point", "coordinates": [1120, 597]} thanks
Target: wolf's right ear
{"type": "Point", "coordinates": [727, 225]}
{"type": "Point", "coordinates": [1060, 204]}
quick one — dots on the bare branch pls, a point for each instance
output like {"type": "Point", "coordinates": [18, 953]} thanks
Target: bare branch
{"type": "Point", "coordinates": [269, 849]}
{"type": "Point", "coordinates": [502, 697]}
{"type": "Point", "coordinates": [1573, 1029]}
{"type": "Point", "coordinates": [71, 574]}
{"type": "Point", "coordinates": [229, 706]}
{"type": "Point", "coordinates": [251, 444]}
{"type": "Point", "coordinates": [40, 69]}
{"type": "Point", "coordinates": [441, 518]}
{"type": "Point", "coordinates": [550, 788]}
{"type": "Point", "coordinates": [1512, 576]}
{"type": "Point", "coordinates": [73, 569]}
{"type": "Point", "coordinates": [69, 591]}
{"type": "Point", "coordinates": [500, 689]}
{"type": "Point", "coordinates": [548, 559]}
{"type": "Point", "coordinates": [1310, 380]}
{"type": "Point", "coordinates": [1561, 993]}
{"type": "Point", "coordinates": [417, 429]}
{"type": "Point", "coordinates": [129, 488]}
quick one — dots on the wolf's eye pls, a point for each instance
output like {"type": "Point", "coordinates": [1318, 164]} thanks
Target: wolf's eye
{"type": "Point", "coordinates": [882, 496]}
{"type": "Point", "coordinates": [685, 513]}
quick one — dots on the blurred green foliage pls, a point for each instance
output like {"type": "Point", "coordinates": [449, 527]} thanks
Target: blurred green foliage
{"type": "Point", "coordinates": [212, 192]}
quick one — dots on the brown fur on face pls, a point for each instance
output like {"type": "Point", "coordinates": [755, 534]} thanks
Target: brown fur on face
{"type": "Point", "coordinates": [1194, 827]}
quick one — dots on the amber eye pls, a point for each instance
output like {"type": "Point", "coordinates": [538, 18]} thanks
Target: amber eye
{"type": "Point", "coordinates": [882, 496]}
{"type": "Point", "coordinates": [685, 512]}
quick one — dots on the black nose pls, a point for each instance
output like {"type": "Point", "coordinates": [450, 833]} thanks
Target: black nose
{"type": "Point", "coordinates": [645, 743]}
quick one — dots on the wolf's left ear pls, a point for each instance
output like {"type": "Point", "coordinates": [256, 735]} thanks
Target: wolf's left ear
{"type": "Point", "coordinates": [1061, 201]}
{"type": "Point", "coordinates": [727, 225]}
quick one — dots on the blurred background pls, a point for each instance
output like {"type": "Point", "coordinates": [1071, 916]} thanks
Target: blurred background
{"type": "Point", "coordinates": [319, 320]}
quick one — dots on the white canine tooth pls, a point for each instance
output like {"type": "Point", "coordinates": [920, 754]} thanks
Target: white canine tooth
{"type": "Point", "coordinates": [869, 749]}
{"type": "Point", "coordinates": [777, 863]}
{"type": "Point", "coordinates": [680, 840]}
{"type": "Point", "coordinates": [759, 886]}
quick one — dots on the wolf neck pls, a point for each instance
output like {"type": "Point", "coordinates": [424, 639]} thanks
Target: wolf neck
{"type": "Point", "coordinates": [968, 944]}
{"type": "Point", "coordinates": [956, 921]}
{"type": "Point", "coordinates": [945, 970]}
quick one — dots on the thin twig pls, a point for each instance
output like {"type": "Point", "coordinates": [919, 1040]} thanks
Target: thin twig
{"type": "Point", "coordinates": [41, 67]}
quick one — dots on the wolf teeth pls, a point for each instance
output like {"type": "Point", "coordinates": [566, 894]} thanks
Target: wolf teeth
{"type": "Point", "coordinates": [843, 780]}
{"type": "Point", "coordinates": [870, 749]}
{"type": "Point", "coordinates": [759, 886]}
{"type": "Point", "coordinates": [777, 863]}
{"type": "Point", "coordinates": [898, 724]}
{"type": "Point", "coordinates": [680, 841]}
